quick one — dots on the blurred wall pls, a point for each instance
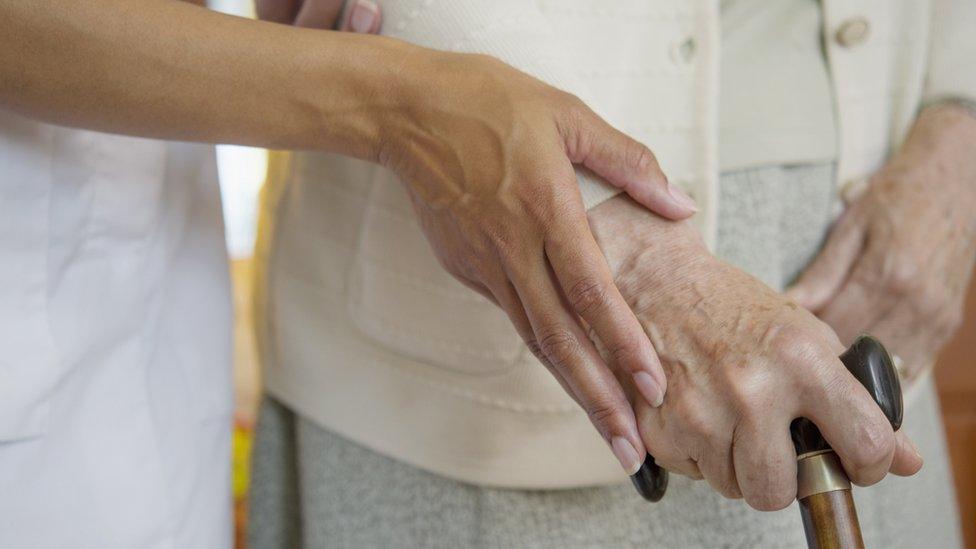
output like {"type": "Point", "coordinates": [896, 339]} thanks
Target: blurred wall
{"type": "Point", "coordinates": [956, 379]}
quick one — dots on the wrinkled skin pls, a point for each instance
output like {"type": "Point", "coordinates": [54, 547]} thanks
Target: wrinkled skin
{"type": "Point", "coordinates": [742, 362]}
{"type": "Point", "coordinates": [898, 262]}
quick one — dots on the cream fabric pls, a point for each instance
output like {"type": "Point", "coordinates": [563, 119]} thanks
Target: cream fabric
{"type": "Point", "coordinates": [362, 331]}
{"type": "Point", "coordinates": [775, 101]}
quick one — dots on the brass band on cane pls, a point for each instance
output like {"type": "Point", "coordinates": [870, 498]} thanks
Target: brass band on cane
{"type": "Point", "coordinates": [819, 472]}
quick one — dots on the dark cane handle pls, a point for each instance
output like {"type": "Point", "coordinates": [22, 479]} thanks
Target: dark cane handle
{"type": "Point", "coordinates": [869, 362]}
{"type": "Point", "coordinates": [823, 489]}
{"type": "Point", "coordinates": [866, 359]}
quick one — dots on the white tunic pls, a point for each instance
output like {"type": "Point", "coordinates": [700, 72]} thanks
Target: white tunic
{"type": "Point", "coordinates": [115, 391]}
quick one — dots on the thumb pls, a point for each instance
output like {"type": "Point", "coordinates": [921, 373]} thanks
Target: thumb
{"type": "Point", "coordinates": [822, 279]}
{"type": "Point", "coordinates": [627, 164]}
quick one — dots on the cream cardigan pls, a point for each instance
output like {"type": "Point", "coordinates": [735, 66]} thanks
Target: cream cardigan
{"type": "Point", "coordinates": [362, 332]}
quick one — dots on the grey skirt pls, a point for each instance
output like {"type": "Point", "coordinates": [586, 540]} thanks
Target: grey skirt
{"type": "Point", "coordinates": [312, 488]}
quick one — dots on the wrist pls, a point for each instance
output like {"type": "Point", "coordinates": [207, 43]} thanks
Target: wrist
{"type": "Point", "coordinates": [939, 153]}
{"type": "Point", "coordinates": [946, 133]}
{"type": "Point", "coordinates": [629, 234]}
{"type": "Point", "coordinates": [356, 91]}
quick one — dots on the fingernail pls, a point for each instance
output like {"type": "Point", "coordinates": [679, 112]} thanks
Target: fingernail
{"type": "Point", "coordinates": [363, 16]}
{"type": "Point", "coordinates": [682, 198]}
{"type": "Point", "coordinates": [626, 454]}
{"type": "Point", "coordinates": [649, 388]}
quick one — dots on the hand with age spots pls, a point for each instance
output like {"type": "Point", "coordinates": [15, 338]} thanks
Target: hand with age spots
{"type": "Point", "coordinates": [898, 262]}
{"type": "Point", "coordinates": [742, 362]}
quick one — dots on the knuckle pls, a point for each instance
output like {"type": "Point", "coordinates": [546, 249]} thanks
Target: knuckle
{"type": "Point", "coordinates": [573, 109]}
{"type": "Point", "coordinates": [930, 300]}
{"type": "Point", "coordinates": [696, 423]}
{"type": "Point", "coordinates": [749, 393]}
{"type": "Point", "coordinates": [875, 446]}
{"type": "Point", "coordinates": [642, 158]}
{"type": "Point", "coordinates": [808, 357]}
{"type": "Point", "coordinates": [901, 273]}
{"type": "Point", "coordinates": [559, 346]}
{"type": "Point", "coordinates": [551, 208]}
{"type": "Point", "coordinates": [833, 381]}
{"type": "Point", "coordinates": [573, 118]}
{"type": "Point", "coordinates": [588, 295]}
{"type": "Point", "coordinates": [624, 354]}
{"type": "Point", "coordinates": [503, 237]}
{"type": "Point", "coordinates": [571, 103]}
{"type": "Point", "coordinates": [601, 413]}
{"type": "Point", "coordinates": [827, 384]}
{"type": "Point", "coordinates": [793, 345]}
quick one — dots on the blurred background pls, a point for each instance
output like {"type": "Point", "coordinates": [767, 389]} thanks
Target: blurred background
{"type": "Point", "coordinates": [242, 171]}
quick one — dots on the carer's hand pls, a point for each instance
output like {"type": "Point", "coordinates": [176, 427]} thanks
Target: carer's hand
{"type": "Point", "coordinates": [742, 362]}
{"type": "Point", "coordinates": [898, 261]}
{"type": "Point", "coordinates": [487, 155]}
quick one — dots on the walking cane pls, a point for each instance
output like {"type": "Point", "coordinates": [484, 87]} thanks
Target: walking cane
{"type": "Point", "coordinates": [823, 489]}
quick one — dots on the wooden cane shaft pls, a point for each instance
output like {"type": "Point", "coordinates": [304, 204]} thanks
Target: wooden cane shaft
{"type": "Point", "coordinates": [830, 521]}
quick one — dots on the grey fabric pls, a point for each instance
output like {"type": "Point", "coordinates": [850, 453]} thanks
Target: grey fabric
{"type": "Point", "coordinates": [312, 488]}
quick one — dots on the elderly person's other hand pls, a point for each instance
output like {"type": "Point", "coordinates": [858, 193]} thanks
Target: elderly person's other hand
{"type": "Point", "coordinates": [487, 154]}
{"type": "Point", "coordinates": [898, 261]}
{"type": "Point", "coordinates": [742, 362]}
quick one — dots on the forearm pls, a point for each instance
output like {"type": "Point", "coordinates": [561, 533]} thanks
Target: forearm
{"type": "Point", "coordinates": [942, 142]}
{"type": "Point", "coordinates": [163, 69]}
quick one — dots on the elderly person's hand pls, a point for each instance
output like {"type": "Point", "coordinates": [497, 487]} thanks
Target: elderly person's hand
{"type": "Point", "coordinates": [742, 362]}
{"type": "Point", "coordinates": [487, 154]}
{"type": "Point", "coordinates": [898, 261]}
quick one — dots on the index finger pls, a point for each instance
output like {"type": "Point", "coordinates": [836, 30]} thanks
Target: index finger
{"type": "Point", "coordinates": [851, 422]}
{"type": "Point", "coordinates": [561, 344]}
{"type": "Point", "coordinates": [588, 285]}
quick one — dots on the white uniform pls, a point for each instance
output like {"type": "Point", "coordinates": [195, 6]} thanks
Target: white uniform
{"type": "Point", "coordinates": [115, 341]}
